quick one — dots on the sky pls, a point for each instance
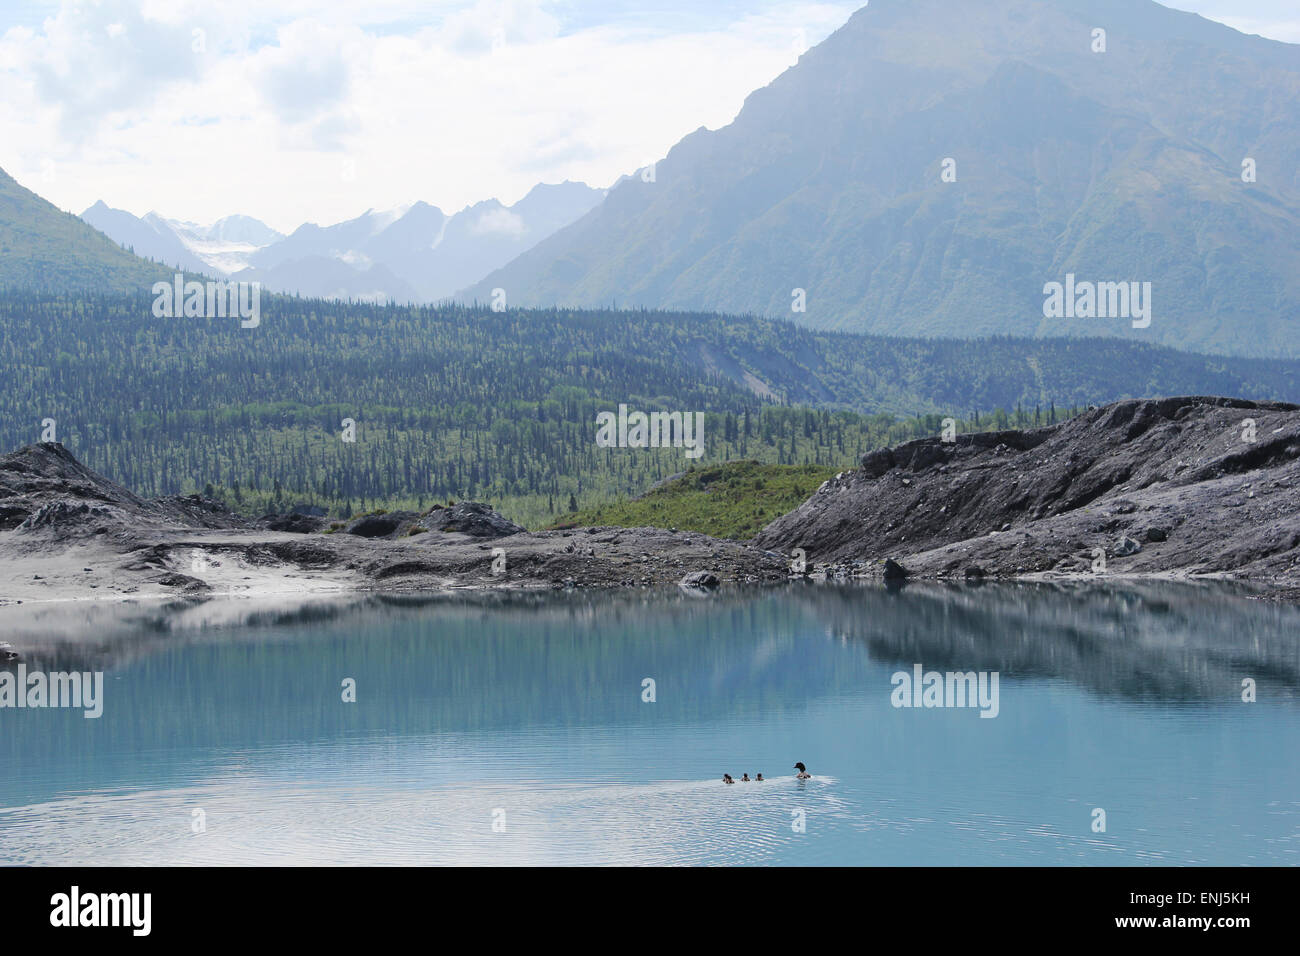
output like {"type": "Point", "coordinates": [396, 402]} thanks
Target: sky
{"type": "Point", "coordinates": [297, 111]}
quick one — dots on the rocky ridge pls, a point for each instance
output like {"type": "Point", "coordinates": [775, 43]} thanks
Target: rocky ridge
{"type": "Point", "coordinates": [1177, 486]}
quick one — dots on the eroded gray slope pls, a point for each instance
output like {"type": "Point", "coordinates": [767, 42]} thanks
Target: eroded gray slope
{"type": "Point", "coordinates": [1174, 477]}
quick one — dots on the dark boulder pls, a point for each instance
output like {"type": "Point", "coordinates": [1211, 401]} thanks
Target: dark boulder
{"type": "Point", "coordinates": [184, 583]}
{"type": "Point", "coordinates": [699, 581]}
{"type": "Point", "coordinates": [388, 525]}
{"type": "Point", "coordinates": [294, 522]}
{"type": "Point", "coordinates": [1126, 546]}
{"type": "Point", "coordinates": [469, 517]}
{"type": "Point", "coordinates": [895, 571]}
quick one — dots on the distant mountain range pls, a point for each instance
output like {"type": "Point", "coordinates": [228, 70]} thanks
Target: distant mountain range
{"type": "Point", "coordinates": [934, 164]}
{"type": "Point", "coordinates": [227, 244]}
{"type": "Point", "coordinates": [416, 254]}
{"type": "Point", "coordinates": [152, 237]}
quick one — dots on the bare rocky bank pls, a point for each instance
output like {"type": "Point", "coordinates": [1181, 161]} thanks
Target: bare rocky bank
{"type": "Point", "coordinates": [1178, 486]}
{"type": "Point", "coordinates": [1174, 487]}
{"type": "Point", "coordinates": [67, 533]}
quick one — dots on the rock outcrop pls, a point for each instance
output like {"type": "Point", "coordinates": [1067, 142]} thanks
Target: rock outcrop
{"type": "Point", "coordinates": [469, 517]}
{"type": "Point", "coordinates": [43, 487]}
{"type": "Point", "coordinates": [1180, 485]}
{"type": "Point", "coordinates": [67, 533]}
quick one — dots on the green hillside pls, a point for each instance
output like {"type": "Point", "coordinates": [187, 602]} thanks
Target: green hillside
{"type": "Point", "coordinates": [731, 500]}
{"type": "Point", "coordinates": [42, 248]}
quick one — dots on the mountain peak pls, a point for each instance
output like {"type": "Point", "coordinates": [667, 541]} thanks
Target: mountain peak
{"type": "Point", "coordinates": [933, 165]}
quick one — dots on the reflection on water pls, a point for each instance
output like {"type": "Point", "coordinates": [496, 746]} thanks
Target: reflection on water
{"type": "Point", "coordinates": [527, 711]}
{"type": "Point", "coordinates": [544, 824]}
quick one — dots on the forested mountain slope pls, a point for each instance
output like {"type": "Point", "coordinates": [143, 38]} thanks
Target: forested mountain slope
{"type": "Point", "coordinates": [459, 402]}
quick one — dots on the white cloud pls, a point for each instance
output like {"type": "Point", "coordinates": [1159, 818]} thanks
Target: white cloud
{"type": "Point", "coordinates": [90, 61]}
{"type": "Point", "coordinates": [499, 221]}
{"type": "Point", "coordinates": [495, 24]}
{"type": "Point", "coordinates": [307, 72]}
{"type": "Point", "coordinates": [293, 110]}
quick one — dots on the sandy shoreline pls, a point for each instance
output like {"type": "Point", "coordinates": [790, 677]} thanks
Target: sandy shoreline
{"type": "Point", "coordinates": [220, 569]}
{"type": "Point", "coordinates": [163, 566]}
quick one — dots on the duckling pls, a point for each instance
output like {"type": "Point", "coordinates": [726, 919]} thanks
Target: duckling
{"type": "Point", "coordinates": [726, 778]}
{"type": "Point", "coordinates": [744, 778]}
{"type": "Point", "coordinates": [803, 773]}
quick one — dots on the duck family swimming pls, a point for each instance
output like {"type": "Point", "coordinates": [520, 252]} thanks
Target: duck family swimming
{"type": "Point", "coordinates": [758, 778]}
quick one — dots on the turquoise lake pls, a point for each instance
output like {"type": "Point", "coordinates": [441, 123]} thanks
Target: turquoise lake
{"type": "Point", "coordinates": [514, 729]}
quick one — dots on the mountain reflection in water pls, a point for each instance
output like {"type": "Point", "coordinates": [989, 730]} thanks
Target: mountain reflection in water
{"type": "Point", "coordinates": [1126, 697]}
